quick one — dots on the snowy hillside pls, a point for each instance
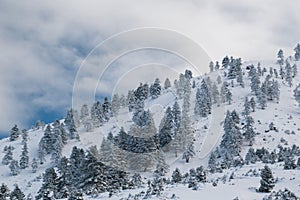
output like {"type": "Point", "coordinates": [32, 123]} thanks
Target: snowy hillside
{"type": "Point", "coordinates": [132, 146]}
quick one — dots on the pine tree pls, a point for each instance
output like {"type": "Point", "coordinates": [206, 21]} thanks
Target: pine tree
{"type": "Point", "coordinates": [14, 168]}
{"type": "Point", "coordinates": [73, 132]}
{"type": "Point", "coordinates": [215, 94]}
{"type": "Point", "coordinates": [24, 136]}
{"type": "Point", "coordinates": [280, 57]}
{"type": "Point", "coordinates": [84, 112]}
{"type": "Point", "coordinates": [297, 52]}
{"type": "Point", "coordinates": [155, 89]}
{"type": "Point", "coordinates": [252, 104]}
{"type": "Point", "coordinates": [289, 74]}
{"type": "Point", "coordinates": [8, 157]}
{"type": "Point", "coordinates": [217, 67]}
{"type": "Point", "coordinates": [162, 167]}
{"type": "Point", "coordinates": [115, 104]}
{"type": "Point", "coordinates": [72, 116]}
{"type": "Point", "coordinates": [176, 176]}
{"type": "Point", "coordinates": [97, 115]}
{"type": "Point", "coordinates": [167, 83]}
{"type": "Point", "coordinates": [232, 139]}
{"type": "Point", "coordinates": [226, 95]}
{"type": "Point", "coordinates": [24, 160]}
{"type": "Point", "coordinates": [34, 165]}
{"type": "Point", "coordinates": [255, 82]}
{"type": "Point", "coordinates": [294, 71]}
{"type": "Point", "coordinates": [267, 182]}
{"type": "Point", "coordinates": [211, 66]}
{"type": "Point", "coordinates": [203, 101]}
{"type": "Point", "coordinates": [106, 109]}
{"type": "Point", "coordinates": [212, 162]}
{"type": "Point", "coordinates": [248, 130]}
{"type": "Point", "coordinates": [4, 192]}
{"type": "Point", "coordinates": [50, 185]}
{"type": "Point", "coordinates": [239, 79]}
{"type": "Point", "coordinates": [297, 94]}
{"type": "Point", "coordinates": [176, 112]}
{"type": "Point", "coordinates": [189, 152]}
{"type": "Point", "coordinates": [250, 156]}
{"type": "Point", "coordinates": [17, 194]}
{"type": "Point", "coordinates": [14, 133]}
{"type": "Point", "coordinates": [167, 128]}
{"type": "Point", "coordinates": [262, 99]}
{"type": "Point", "coordinates": [246, 110]}
{"type": "Point", "coordinates": [225, 62]}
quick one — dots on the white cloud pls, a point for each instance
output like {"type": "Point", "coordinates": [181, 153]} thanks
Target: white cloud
{"type": "Point", "coordinates": [43, 43]}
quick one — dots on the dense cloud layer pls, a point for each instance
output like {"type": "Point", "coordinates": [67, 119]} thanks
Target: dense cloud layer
{"type": "Point", "coordinates": [43, 43]}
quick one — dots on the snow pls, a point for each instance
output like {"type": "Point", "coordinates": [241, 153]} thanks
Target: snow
{"type": "Point", "coordinates": [285, 115]}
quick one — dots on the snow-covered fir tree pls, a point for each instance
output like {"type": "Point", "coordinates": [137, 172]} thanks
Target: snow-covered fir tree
{"type": "Point", "coordinates": [107, 109]}
{"type": "Point", "coordinates": [297, 94]}
{"type": "Point", "coordinates": [34, 165]}
{"type": "Point", "coordinates": [280, 57]}
{"type": "Point", "coordinates": [24, 160]}
{"type": "Point", "coordinates": [155, 89]}
{"type": "Point", "coordinates": [115, 104]}
{"type": "Point", "coordinates": [267, 182]}
{"type": "Point", "coordinates": [189, 152]}
{"type": "Point", "coordinates": [14, 133]}
{"type": "Point", "coordinates": [4, 192]}
{"type": "Point", "coordinates": [232, 138]}
{"type": "Point", "coordinates": [8, 157]}
{"type": "Point", "coordinates": [297, 52]}
{"type": "Point", "coordinates": [203, 101]}
{"type": "Point", "coordinates": [17, 193]}
{"type": "Point", "coordinates": [211, 66]}
{"type": "Point", "coordinates": [167, 83]}
{"type": "Point", "coordinates": [14, 167]}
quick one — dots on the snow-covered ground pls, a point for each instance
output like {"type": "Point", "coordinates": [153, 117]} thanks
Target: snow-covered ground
{"type": "Point", "coordinates": [285, 115]}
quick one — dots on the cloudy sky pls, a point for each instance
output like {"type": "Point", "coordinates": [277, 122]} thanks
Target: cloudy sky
{"type": "Point", "coordinates": [43, 43]}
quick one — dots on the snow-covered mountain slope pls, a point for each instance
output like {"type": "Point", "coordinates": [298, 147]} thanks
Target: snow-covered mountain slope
{"type": "Point", "coordinates": [207, 133]}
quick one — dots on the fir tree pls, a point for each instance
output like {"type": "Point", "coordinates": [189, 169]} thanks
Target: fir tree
{"type": "Point", "coordinates": [8, 157]}
{"type": "Point", "coordinates": [232, 139]}
{"type": "Point", "coordinates": [106, 109]}
{"type": "Point", "coordinates": [14, 133]}
{"type": "Point", "coordinates": [248, 128]}
{"type": "Point", "coordinates": [4, 192]}
{"type": "Point", "coordinates": [212, 162]}
{"type": "Point", "coordinates": [167, 83]}
{"type": "Point", "coordinates": [252, 104]}
{"type": "Point", "coordinates": [217, 67]}
{"type": "Point", "coordinates": [162, 167]}
{"type": "Point", "coordinates": [24, 160]}
{"type": "Point", "coordinates": [17, 194]}
{"type": "Point", "coordinates": [34, 165]}
{"type": "Point", "coordinates": [297, 52]}
{"type": "Point", "coordinates": [262, 100]}
{"type": "Point", "coordinates": [176, 176]}
{"type": "Point", "coordinates": [289, 74]}
{"type": "Point", "coordinates": [84, 112]}
{"type": "Point", "coordinates": [203, 101]}
{"type": "Point", "coordinates": [155, 89]}
{"type": "Point", "coordinates": [267, 182]}
{"type": "Point", "coordinates": [211, 66]}
{"type": "Point", "coordinates": [297, 94]}
{"type": "Point", "coordinates": [215, 94]}
{"type": "Point", "coordinates": [24, 136]}
{"type": "Point", "coordinates": [280, 57]}
{"type": "Point", "coordinates": [189, 153]}
{"type": "Point", "coordinates": [250, 156]}
{"type": "Point", "coordinates": [14, 167]}
{"type": "Point", "coordinates": [115, 104]}
{"type": "Point", "coordinates": [50, 185]}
